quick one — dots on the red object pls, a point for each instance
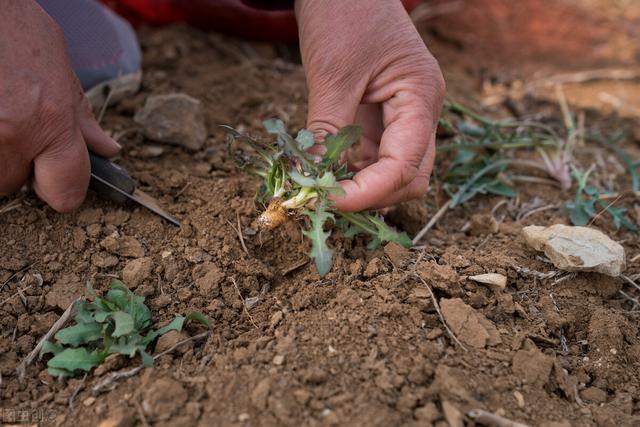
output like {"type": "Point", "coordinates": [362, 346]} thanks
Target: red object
{"type": "Point", "coordinates": [234, 17]}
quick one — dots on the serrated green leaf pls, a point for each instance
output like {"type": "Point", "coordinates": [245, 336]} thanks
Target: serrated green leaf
{"type": "Point", "coordinates": [387, 234]}
{"type": "Point", "coordinates": [320, 251]}
{"type": "Point", "coordinates": [338, 143]}
{"type": "Point", "coordinates": [124, 324]}
{"type": "Point", "coordinates": [82, 333]}
{"type": "Point", "coordinates": [72, 359]}
{"type": "Point", "coordinates": [305, 139]}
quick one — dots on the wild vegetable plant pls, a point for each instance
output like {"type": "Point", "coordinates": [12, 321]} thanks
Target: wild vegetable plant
{"type": "Point", "coordinates": [110, 325]}
{"type": "Point", "coordinates": [589, 203]}
{"type": "Point", "coordinates": [296, 182]}
{"type": "Point", "coordinates": [484, 151]}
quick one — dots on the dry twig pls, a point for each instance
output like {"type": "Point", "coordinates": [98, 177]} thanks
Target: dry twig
{"type": "Point", "coordinates": [244, 304]}
{"type": "Point", "coordinates": [110, 382]}
{"type": "Point", "coordinates": [437, 307]}
{"type": "Point", "coordinates": [492, 420]}
{"type": "Point", "coordinates": [70, 311]}
{"type": "Point", "coordinates": [434, 219]}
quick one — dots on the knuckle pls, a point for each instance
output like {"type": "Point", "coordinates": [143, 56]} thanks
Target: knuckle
{"type": "Point", "coordinates": [419, 187]}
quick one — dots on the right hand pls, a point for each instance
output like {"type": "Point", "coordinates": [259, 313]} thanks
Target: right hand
{"type": "Point", "coordinates": [46, 123]}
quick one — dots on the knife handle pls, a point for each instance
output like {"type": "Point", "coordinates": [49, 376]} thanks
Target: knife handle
{"type": "Point", "coordinates": [114, 175]}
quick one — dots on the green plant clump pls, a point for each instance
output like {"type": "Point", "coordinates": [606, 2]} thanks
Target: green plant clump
{"type": "Point", "coordinates": [296, 182]}
{"type": "Point", "coordinates": [104, 326]}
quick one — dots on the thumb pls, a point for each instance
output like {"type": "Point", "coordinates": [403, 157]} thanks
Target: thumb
{"type": "Point", "coordinates": [61, 174]}
{"type": "Point", "coordinates": [96, 139]}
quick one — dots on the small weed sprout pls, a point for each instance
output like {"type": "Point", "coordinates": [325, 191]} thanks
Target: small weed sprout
{"type": "Point", "coordinates": [297, 183]}
{"type": "Point", "coordinates": [110, 325]}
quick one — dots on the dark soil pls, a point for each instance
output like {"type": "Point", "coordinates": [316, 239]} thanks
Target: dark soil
{"type": "Point", "coordinates": [362, 346]}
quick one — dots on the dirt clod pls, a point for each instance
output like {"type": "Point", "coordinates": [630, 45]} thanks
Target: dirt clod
{"type": "Point", "coordinates": [532, 365]}
{"type": "Point", "coordinates": [136, 271]}
{"type": "Point", "coordinates": [471, 327]}
{"type": "Point", "coordinates": [163, 398]}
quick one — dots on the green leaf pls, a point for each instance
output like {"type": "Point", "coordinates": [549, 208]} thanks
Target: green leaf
{"type": "Point", "coordinates": [82, 333]}
{"type": "Point", "coordinates": [501, 189]}
{"type": "Point", "coordinates": [83, 314]}
{"type": "Point", "coordinates": [128, 345]}
{"type": "Point", "coordinates": [300, 179]}
{"type": "Point", "coordinates": [49, 347]}
{"type": "Point", "coordinates": [305, 139]}
{"type": "Point", "coordinates": [124, 324]}
{"type": "Point", "coordinates": [329, 183]}
{"type": "Point", "coordinates": [72, 359]}
{"type": "Point", "coordinates": [387, 234]}
{"type": "Point", "coordinates": [337, 144]}
{"type": "Point", "coordinates": [320, 252]}
{"type": "Point", "coordinates": [175, 325]}
{"type": "Point", "coordinates": [147, 359]}
{"type": "Point", "coordinates": [577, 215]}
{"type": "Point", "coordinates": [274, 126]}
{"type": "Point", "coordinates": [196, 316]}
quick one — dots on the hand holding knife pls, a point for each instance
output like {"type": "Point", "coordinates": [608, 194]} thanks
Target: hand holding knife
{"type": "Point", "coordinates": [111, 181]}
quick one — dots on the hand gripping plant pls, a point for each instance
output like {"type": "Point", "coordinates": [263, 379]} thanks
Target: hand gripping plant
{"type": "Point", "coordinates": [295, 182]}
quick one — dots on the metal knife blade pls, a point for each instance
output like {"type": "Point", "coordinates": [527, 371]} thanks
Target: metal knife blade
{"type": "Point", "coordinates": [141, 198]}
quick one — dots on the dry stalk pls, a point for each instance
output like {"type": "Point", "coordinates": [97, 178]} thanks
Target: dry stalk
{"type": "Point", "coordinates": [244, 304]}
{"type": "Point", "coordinates": [22, 368]}
{"type": "Point", "coordinates": [239, 233]}
{"type": "Point", "coordinates": [434, 219]}
{"type": "Point", "coordinates": [492, 420]}
{"type": "Point", "coordinates": [110, 382]}
{"type": "Point", "coordinates": [437, 307]}
{"type": "Point", "coordinates": [630, 281]}
{"type": "Point", "coordinates": [76, 391]}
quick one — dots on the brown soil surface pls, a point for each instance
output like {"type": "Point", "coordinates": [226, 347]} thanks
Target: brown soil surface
{"type": "Point", "coordinates": [363, 346]}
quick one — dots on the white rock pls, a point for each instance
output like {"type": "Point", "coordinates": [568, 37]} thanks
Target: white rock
{"type": "Point", "coordinates": [175, 118]}
{"type": "Point", "coordinates": [572, 248]}
{"type": "Point", "coordinates": [494, 280]}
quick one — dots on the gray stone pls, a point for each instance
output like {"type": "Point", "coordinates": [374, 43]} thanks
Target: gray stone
{"type": "Point", "coordinates": [175, 119]}
{"type": "Point", "coordinates": [572, 248]}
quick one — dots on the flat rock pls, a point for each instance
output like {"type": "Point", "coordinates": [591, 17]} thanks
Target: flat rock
{"type": "Point", "coordinates": [471, 328]}
{"type": "Point", "coordinates": [573, 248]}
{"type": "Point", "coordinates": [175, 118]}
{"type": "Point", "coordinates": [495, 281]}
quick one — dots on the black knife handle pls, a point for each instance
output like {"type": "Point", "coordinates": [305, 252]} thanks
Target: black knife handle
{"type": "Point", "coordinates": [114, 175]}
